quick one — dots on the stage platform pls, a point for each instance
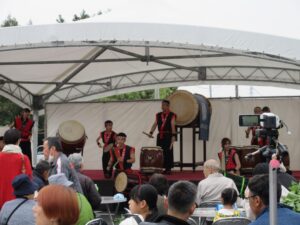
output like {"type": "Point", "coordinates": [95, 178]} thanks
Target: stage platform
{"type": "Point", "coordinates": [106, 186]}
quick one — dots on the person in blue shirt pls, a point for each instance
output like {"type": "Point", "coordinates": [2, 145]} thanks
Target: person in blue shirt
{"type": "Point", "coordinates": [259, 203]}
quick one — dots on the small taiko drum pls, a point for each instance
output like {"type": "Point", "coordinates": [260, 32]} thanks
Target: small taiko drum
{"type": "Point", "coordinates": [125, 181]}
{"type": "Point", "coordinates": [151, 160]}
{"type": "Point", "coordinates": [72, 136]}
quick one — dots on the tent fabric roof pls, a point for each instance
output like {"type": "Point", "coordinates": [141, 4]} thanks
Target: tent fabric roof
{"type": "Point", "coordinates": [80, 61]}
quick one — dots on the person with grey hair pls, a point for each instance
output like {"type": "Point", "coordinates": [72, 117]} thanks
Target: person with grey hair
{"type": "Point", "coordinates": [59, 162]}
{"type": "Point", "coordinates": [87, 185]}
{"type": "Point", "coordinates": [210, 188]}
{"type": "Point", "coordinates": [181, 204]}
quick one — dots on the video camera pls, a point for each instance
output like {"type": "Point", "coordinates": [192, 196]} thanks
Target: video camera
{"type": "Point", "coordinates": [267, 129]}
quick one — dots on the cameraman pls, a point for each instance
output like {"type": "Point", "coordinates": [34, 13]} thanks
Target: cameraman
{"type": "Point", "coordinates": [252, 129]}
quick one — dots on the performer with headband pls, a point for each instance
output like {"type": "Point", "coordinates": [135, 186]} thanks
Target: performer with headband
{"type": "Point", "coordinates": [121, 156]}
{"type": "Point", "coordinates": [230, 161]}
{"type": "Point", "coordinates": [24, 124]}
{"type": "Point", "coordinates": [166, 137]}
{"type": "Point", "coordinates": [108, 137]}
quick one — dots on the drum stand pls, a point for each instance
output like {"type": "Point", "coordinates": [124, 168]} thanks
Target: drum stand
{"type": "Point", "coordinates": [194, 164]}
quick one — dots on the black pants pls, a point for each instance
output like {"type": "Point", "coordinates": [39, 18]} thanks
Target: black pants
{"type": "Point", "coordinates": [26, 149]}
{"type": "Point", "coordinates": [105, 160]}
{"type": "Point", "coordinates": [165, 143]}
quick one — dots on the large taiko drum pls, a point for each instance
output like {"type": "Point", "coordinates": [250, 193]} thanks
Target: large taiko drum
{"type": "Point", "coordinates": [247, 165]}
{"type": "Point", "coordinates": [188, 107]}
{"type": "Point", "coordinates": [125, 181]}
{"type": "Point", "coordinates": [72, 136]}
{"type": "Point", "coordinates": [151, 160]}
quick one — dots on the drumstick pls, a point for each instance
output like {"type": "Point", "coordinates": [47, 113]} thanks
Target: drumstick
{"type": "Point", "coordinates": [149, 135]}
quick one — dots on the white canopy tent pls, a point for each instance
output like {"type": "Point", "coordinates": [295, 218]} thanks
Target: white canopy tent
{"type": "Point", "coordinates": [83, 61]}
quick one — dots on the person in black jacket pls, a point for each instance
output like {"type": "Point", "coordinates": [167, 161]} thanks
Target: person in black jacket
{"type": "Point", "coordinates": [41, 174]}
{"type": "Point", "coordinates": [181, 204]}
{"type": "Point", "coordinates": [87, 185]}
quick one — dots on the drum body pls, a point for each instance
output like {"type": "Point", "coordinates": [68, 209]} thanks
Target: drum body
{"type": "Point", "coordinates": [151, 160]}
{"type": "Point", "coordinates": [72, 136]}
{"type": "Point", "coordinates": [188, 107]}
{"type": "Point", "coordinates": [125, 181]}
{"type": "Point", "coordinates": [247, 165]}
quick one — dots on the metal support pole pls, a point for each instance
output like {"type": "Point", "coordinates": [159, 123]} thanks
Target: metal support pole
{"type": "Point", "coordinates": [273, 194]}
{"type": "Point", "coordinates": [34, 139]}
{"type": "Point", "coordinates": [236, 91]}
{"type": "Point", "coordinates": [181, 147]}
{"type": "Point", "coordinates": [156, 93]}
{"type": "Point", "coordinates": [194, 148]}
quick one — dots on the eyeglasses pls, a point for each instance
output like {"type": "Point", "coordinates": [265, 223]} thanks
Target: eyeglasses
{"type": "Point", "coordinates": [247, 198]}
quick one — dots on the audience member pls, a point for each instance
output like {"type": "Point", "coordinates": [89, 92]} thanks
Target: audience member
{"type": "Point", "coordinates": [142, 203]}
{"type": "Point", "coordinates": [85, 209]}
{"type": "Point", "coordinates": [1, 143]}
{"type": "Point", "coordinates": [210, 188]}
{"type": "Point", "coordinates": [87, 185]}
{"type": "Point", "coordinates": [181, 204]}
{"type": "Point", "coordinates": [263, 168]}
{"type": "Point", "coordinates": [12, 163]}
{"type": "Point", "coordinates": [56, 205]}
{"type": "Point", "coordinates": [160, 182]}
{"type": "Point", "coordinates": [59, 162]}
{"type": "Point", "coordinates": [19, 210]}
{"type": "Point", "coordinates": [41, 173]}
{"type": "Point", "coordinates": [229, 197]}
{"type": "Point", "coordinates": [259, 203]}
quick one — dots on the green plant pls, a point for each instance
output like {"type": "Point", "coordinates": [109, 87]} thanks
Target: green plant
{"type": "Point", "coordinates": [293, 197]}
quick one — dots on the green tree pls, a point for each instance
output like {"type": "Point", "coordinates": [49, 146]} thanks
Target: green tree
{"type": "Point", "coordinates": [140, 95]}
{"type": "Point", "coordinates": [8, 110]}
{"type": "Point", "coordinates": [60, 19]}
{"type": "Point", "coordinates": [83, 15]}
{"type": "Point", "coordinates": [9, 22]}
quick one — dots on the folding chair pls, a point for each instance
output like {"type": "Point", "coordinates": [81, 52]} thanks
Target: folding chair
{"type": "Point", "coordinates": [233, 221]}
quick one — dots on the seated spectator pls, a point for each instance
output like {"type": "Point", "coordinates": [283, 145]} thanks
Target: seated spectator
{"type": "Point", "coordinates": [181, 204]}
{"type": "Point", "coordinates": [142, 202]}
{"type": "Point", "coordinates": [19, 210]}
{"type": "Point", "coordinates": [160, 183]}
{"type": "Point", "coordinates": [229, 197]}
{"type": "Point", "coordinates": [59, 162]}
{"type": "Point", "coordinates": [41, 173]}
{"type": "Point", "coordinates": [263, 168]}
{"type": "Point", "coordinates": [85, 209]}
{"type": "Point", "coordinates": [210, 188]}
{"type": "Point", "coordinates": [56, 205]}
{"type": "Point", "coordinates": [12, 163]}
{"type": "Point", "coordinates": [1, 143]}
{"type": "Point", "coordinates": [87, 185]}
{"type": "Point", "coordinates": [259, 203]}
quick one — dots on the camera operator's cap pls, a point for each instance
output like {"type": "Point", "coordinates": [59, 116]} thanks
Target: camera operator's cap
{"type": "Point", "coordinates": [22, 185]}
{"type": "Point", "coordinates": [60, 179]}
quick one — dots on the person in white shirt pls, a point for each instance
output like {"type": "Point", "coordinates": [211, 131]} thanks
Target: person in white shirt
{"type": "Point", "coordinates": [210, 188]}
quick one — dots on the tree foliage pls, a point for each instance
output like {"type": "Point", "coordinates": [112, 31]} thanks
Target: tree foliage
{"type": "Point", "coordinates": [60, 19]}
{"type": "Point", "coordinates": [10, 22]}
{"type": "Point", "coordinates": [141, 95]}
{"type": "Point", "coordinates": [8, 110]}
{"type": "Point", "coordinates": [83, 15]}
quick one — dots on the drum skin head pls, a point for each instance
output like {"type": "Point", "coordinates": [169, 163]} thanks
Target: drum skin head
{"type": "Point", "coordinates": [121, 182]}
{"type": "Point", "coordinates": [71, 131]}
{"type": "Point", "coordinates": [185, 106]}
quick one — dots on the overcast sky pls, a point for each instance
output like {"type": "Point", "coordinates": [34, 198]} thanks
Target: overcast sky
{"type": "Point", "coordinates": [276, 17]}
